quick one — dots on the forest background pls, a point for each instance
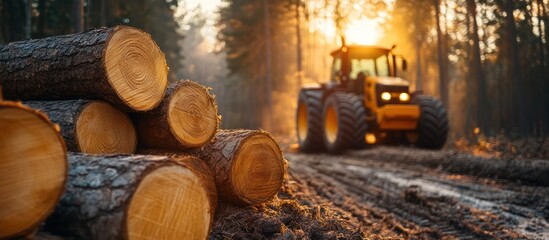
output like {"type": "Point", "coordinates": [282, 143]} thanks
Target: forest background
{"type": "Point", "coordinates": [487, 60]}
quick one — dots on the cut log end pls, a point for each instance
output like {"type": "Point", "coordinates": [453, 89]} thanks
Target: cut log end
{"type": "Point", "coordinates": [160, 201]}
{"type": "Point", "coordinates": [33, 167]}
{"type": "Point", "coordinates": [192, 114]}
{"type": "Point", "coordinates": [136, 68]}
{"type": "Point", "coordinates": [101, 128]}
{"type": "Point", "coordinates": [258, 169]}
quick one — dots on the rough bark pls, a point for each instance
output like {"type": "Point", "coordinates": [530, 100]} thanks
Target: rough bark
{"type": "Point", "coordinates": [100, 189]}
{"type": "Point", "coordinates": [91, 126]}
{"type": "Point", "coordinates": [220, 155]}
{"type": "Point", "coordinates": [153, 127]}
{"type": "Point", "coordinates": [61, 67]}
{"type": "Point", "coordinates": [64, 113]}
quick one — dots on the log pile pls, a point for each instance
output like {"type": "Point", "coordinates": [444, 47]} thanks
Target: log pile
{"type": "Point", "coordinates": [247, 164]}
{"type": "Point", "coordinates": [90, 126]}
{"type": "Point", "coordinates": [106, 91]}
{"type": "Point", "coordinates": [121, 65]}
{"type": "Point", "coordinates": [33, 169]}
{"type": "Point", "coordinates": [186, 118]}
{"type": "Point", "coordinates": [131, 196]}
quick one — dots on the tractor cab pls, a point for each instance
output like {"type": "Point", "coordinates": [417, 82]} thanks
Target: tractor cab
{"type": "Point", "coordinates": [353, 64]}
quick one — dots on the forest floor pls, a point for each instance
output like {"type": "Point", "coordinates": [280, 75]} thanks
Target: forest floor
{"type": "Point", "coordinates": [399, 192]}
{"type": "Point", "coordinates": [491, 189]}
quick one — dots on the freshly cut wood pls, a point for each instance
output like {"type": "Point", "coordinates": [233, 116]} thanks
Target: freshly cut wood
{"type": "Point", "coordinates": [33, 169]}
{"type": "Point", "coordinates": [90, 126]}
{"type": "Point", "coordinates": [135, 197]}
{"type": "Point", "coordinates": [186, 118]}
{"type": "Point", "coordinates": [121, 65]}
{"type": "Point", "coordinates": [247, 164]}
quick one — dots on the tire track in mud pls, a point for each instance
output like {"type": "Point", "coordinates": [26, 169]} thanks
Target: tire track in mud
{"type": "Point", "coordinates": [418, 202]}
{"type": "Point", "coordinates": [411, 224]}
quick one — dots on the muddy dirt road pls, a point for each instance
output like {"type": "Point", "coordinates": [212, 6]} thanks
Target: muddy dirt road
{"type": "Point", "coordinates": [409, 193]}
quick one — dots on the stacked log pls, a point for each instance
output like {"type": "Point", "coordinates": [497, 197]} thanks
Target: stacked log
{"type": "Point", "coordinates": [186, 118]}
{"type": "Point", "coordinates": [135, 196]}
{"type": "Point", "coordinates": [33, 169]}
{"type": "Point", "coordinates": [90, 126]}
{"type": "Point", "coordinates": [88, 83]}
{"type": "Point", "coordinates": [121, 65]}
{"type": "Point", "coordinates": [248, 165]}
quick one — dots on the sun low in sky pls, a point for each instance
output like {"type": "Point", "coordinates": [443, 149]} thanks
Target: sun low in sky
{"type": "Point", "coordinates": [363, 31]}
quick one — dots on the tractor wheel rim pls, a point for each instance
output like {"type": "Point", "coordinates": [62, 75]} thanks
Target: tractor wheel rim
{"type": "Point", "coordinates": [331, 124]}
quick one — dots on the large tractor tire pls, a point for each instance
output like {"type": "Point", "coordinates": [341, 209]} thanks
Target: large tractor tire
{"type": "Point", "coordinates": [360, 127]}
{"type": "Point", "coordinates": [432, 129]}
{"type": "Point", "coordinates": [339, 122]}
{"type": "Point", "coordinates": [309, 121]}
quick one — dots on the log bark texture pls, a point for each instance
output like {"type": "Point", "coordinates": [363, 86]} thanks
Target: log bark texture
{"type": "Point", "coordinates": [60, 67]}
{"type": "Point", "coordinates": [66, 113]}
{"type": "Point", "coordinates": [157, 130]}
{"type": "Point", "coordinates": [100, 189]}
{"type": "Point", "coordinates": [263, 155]}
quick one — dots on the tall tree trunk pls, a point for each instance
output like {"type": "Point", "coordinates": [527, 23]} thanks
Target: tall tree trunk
{"type": "Point", "coordinates": [268, 66]}
{"type": "Point", "coordinates": [16, 19]}
{"type": "Point", "coordinates": [442, 57]}
{"type": "Point", "coordinates": [102, 13]}
{"type": "Point", "coordinates": [514, 66]}
{"type": "Point", "coordinates": [544, 50]}
{"type": "Point", "coordinates": [542, 33]}
{"type": "Point", "coordinates": [419, 79]}
{"type": "Point", "coordinates": [78, 15]}
{"type": "Point", "coordinates": [470, 119]}
{"type": "Point", "coordinates": [88, 14]}
{"type": "Point", "coordinates": [476, 68]}
{"type": "Point", "coordinates": [298, 47]}
{"type": "Point", "coordinates": [41, 18]}
{"type": "Point", "coordinates": [28, 17]}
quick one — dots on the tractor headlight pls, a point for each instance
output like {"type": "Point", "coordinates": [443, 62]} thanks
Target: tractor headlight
{"type": "Point", "coordinates": [386, 96]}
{"type": "Point", "coordinates": [404, 97]}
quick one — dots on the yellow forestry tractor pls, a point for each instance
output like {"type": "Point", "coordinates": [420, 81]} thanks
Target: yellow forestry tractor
{"type": "Point", "coordinates": [365, 102]}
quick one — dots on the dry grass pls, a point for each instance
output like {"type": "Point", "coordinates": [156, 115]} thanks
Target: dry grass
{"type": "Point", "coordinates": [502, 147]}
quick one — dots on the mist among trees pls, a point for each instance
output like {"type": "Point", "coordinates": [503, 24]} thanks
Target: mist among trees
{"type": "Point", "coordinates": [487, 60]}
